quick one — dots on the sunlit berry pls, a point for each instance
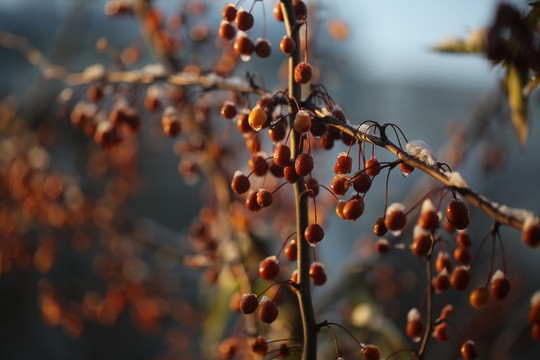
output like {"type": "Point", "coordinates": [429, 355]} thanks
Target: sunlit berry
{"type": "Point", "coordinates": [462, 255]}
{"type": "Point", "coordinates": [268, 310]}
{"type": "Point", "coordinates": [317, 273]}
{"type": "Point", "coordinates": [302, 121]}
{"type": "Point", "coordinates": [291, 251]}
{"type": "Point", "coordinates": [460, 278]}
{"type": "Point", "coordinates": [422, 243]}
{"type": "Point", "coordinates": [278, 14]}
{"type": "Point", "coordinates": [304, 164]}
{"type": "Point", "coordinates": [257, 118]}
{"type": "Point", "coordinates": [406, 169]}
{"type": "Point", "coordinates": [478, 298]}
{"type": "Point", "coordinates": [251, 202]}
{"type": "Point", "coordinates": [244, 20]}
{"type": "Point", "coordinates": [240, 183]}
{"type": "Point", "coordinates": [228, 110]}
{"type": "Point", "coordinates": [314, 233]}
{"type": "Point", "coordinates": [282, 155]}
{"type": "Point", "coordinates": [263, 49]}
{"type": "Point", "coordinates": [457, 214]}
{"type": "Point", "coordinates": [340, 184]}
{"type": "Point", "coordinates": [303, 72]}
{"type": "Point", "coordinates": [248, 303]}
{"type": "Point", "coordinates": [443, 262]}
{"type": "Point", "coordinates": [229, 12]}
{"type": "Point", "coordinates": [379, 228]}
{"type": "Point", "coordinates": [370, 352]}
{"type": "Point", "coordinates": [287, 45]}
{"type": "Point", "coordinates": [243, 45]}
{"type": "Point", "coordinates": [264, 198]}
{"type": "Point", "coordinates": [500, 286]}
{"type": "Point", "coordinates": [361, 182]}
{"type": "Point", "coordinates": [269, 268]}
{"type": "Point", "coordinates": [373, 167]}
{"type": "Point", "coordinates": [170, 121]}
{"type": "Point", "coordinates": [468, 350]}
{"type": "Point", "coordinates": [395, 218]}
{"type": "Point", "coordinates": [353, 209]}
{"type": "Point", "coordinates": [343, 164]}
{"type": "Point", "coordinates": [226, 31]}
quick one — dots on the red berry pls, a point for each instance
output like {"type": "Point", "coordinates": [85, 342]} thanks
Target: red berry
{"type": "Point", "coordinates": [300, 9]}
{"type": "Point", "coordinates": [257, 163]}
{"type": "Point", "coordinates": [428, 220]}
{"type": "Point", "coordinates": [361, 182]}
{"type": "Point", "coordinates": [268, 310]}
{"type": "Point", "coordinates": [291, 251]}
{"type": "Point", "coordinates": [441, 282]}
{"type": "Point", "coordinates": [421, 245]}
{"type": "Point", "coordinates": [531, 234]}
{"type": "Point", "coordinates": [500, 286]}
{"type": "Point", "coordinates": [244, 46]}
{"type": "Point", "coordinates": [382, 246]}
{"type": "Point", "coordinates": [314, 233]}
{"type": "Point", "coordinates": [415, 328]}
{"type": "Point", "coordinates": [406, 169]}
{"type": "Point", "coordinates": [278, 14]}
{"type": "Point", "coordinates": [171, 122]}
{"type": "Point", "coordinates": [443, 262]}
{"type": "Point", "coordinates": [290, 173]}
{"type": "Point", "coordinates": [303, 72]}
{"type": "Point", "coordinates": [259, 346]}
{"type": "Point", "coordinates": [229, 12]}
{"type": "Point", "coordinates": [228, 110]}
{"type": "Point", "coordinates": [269, 268]}
{"type": "Point", "coordinates": [264, 198]}
{"type": "Point", "coordinates": [251, 202]}
{"type": "Point", "coordinates": [276, 171]}
{"type": "Point", "coordinates": [371, 352]}
{"type": "Point", "coordinates": [440, 333]}
{"type": "Point", "coordinates": [244, 20]}
{"type": "Point", "coordinates": [257, 118]}
{"type": "Point", "coordinates": [395, 217]}
{"type": "Point", "coordinates": [464, 239]}
{"type": "Point", "coordinates": [287, 45]}
{"type": "Point", "coordinates": [457, 214]}
{"type": "Point", "coordinates": [240, 183]}
{"type": "Point", "coordinates": [303, 164]}
{"type": "Point", "coordinates": [263, 49]}
{"type": "Point", "coordinates": [460, 278]}
{"type": "Point", "coordinates": [248, 303]}
{"type": "Point", "coordinates": [340, 184]}
{"type": "Point", "coordinates": [326, 142]}
{"type": "Point", "coordinates": [277, 132]}
{"type": "Point", "coordinates": [462, 255]}
{"type": "Point", "coordinates": [243, 124]}
{"type": "Point", "coordinates": [282, 155]}
{"type": "Point", "coordinates": [226, 31]}
{"type": "Point", "coordinates": [353, 209]}
{"type": "Point", "coordinates": [302, 121]}
{"type": "Point", "coordinates": [373, 167]}
{"type": "Point", "coordinates": [468, 350]}
{"type": "Point", "coordinates": [343, 164]}
{"type": "Point", "coordinates": [339, 209]}
{"type": "Point", "coordinates": [313, 185]}
{"type": "Point", "coordinates": [479, 298]}
{"type": "Point", "coordinates": [379, 228]}
{"type": "Point", "coordinates": [317, 273]}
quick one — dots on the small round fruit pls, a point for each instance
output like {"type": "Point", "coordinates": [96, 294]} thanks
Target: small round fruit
{"type": "Point", "coordinates": [277, 132]}
{"type": "Point", "coordinates": [303, 72]}
{"type": "Point", "coordinates": [343, 164]}
{"type": "Point", "coordinates": [382, 246]}
{"type": "Point", "coordinates": [317, 273]}
{"type": "Point", "coordinates": [228, 110]}
{"type": "Point", "coordinates": [500, 287]}
{"type": "Point", "coordinates": [287, 45]}
{"type": "Point", "coordinates": [361, 182]}
{"type": "Point", "coordinates": [289, 172]}
{"type": "Point", "coordinates": [340, 184]}
{"type": "Point", "coordinates": [406, 169]}
{"type": "Point", "coordinates": [278, 14]}
{"type": "Point", "coordinates": [263, 49]}
{"type": "Point", "coordinates": [421, 245]}
{"type": "Point", "coordinates": [415, 329]}
{"type": "Point", "coordinates": [269, 268]}
{"type": "Point", "coordinates": [302, 121]}
{"type": "Point", "coordinates": [251, 202]}
{"type": "Point", "coordinates": [441, 282]}
{"type": "Point", "coordinates": [257, 118]}
{"type": "Point", "coordinates": [462, 255]}
{"type": "Point", "coordinates": [457, 214]}
{"type": "Point", "coordinates": [226, 31]}
{"type": "Point", "coordinates": [440, 333]}
{"type": "Point", "coordinates": [229, 12]}
{"type": "Point", "coordinates": [300, 9]}
{"type": "Point", "coordinates": [353, 209]}
{"type": "Point", "coordinates": [304, 164]}
{"type": "Point", "coordinates": [259, 346]}
{"type": "Point", "coordinates": [248, 303]}
{"type": "Point", "coordinates": [268, 310]}
{"type": "Point", "coordinates": [464, 239]}
{"type": "Point", "coordinates": [244, 20]}
{"type": "Point", "coordinates": [243, 46]}
{"type": "Point", "coordinates": [314, 233]}
{"type": "Point", "coordinates": [373, 167]}
{"type": "Point", "coordinates": [371, 352]}
{"type": "Point", "coordinates": [460, 278]}
{"type": "Point", "coordinates": [479, 298]}
{"type": "Point", "coordinates": [429, 219]}
{"type": "Point", "coordinates": [240, 183]}
{"type": "Point", "coordinates": [291, 251]}
{"type": "Point", "coordinates": [395, 217]}
{"type": "Point", "coordinates": [282, 155]}
{"type": "Point", "coordinates": [264, 198]}
{"type": "Point", "coordinates": [443, 262]}
{"type": "Point", "coordinates": [531, 234]}
{"type": "Point", "coordinates": [379, 228]}
{"type": "Point", "coordinates": [258, 165]}
{"type": "Point", "coordinates": [468, 350]}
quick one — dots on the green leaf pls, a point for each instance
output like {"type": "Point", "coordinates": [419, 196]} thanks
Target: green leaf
{"type": "Point", "coordinates": [516, 80]}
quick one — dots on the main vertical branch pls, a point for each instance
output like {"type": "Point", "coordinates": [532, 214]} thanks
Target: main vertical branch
{"type": "Point", "coordinates": [301, 200]}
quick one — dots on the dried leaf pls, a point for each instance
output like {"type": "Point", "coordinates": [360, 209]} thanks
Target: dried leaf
{"type": "Point", "coordinates": [516, 80]}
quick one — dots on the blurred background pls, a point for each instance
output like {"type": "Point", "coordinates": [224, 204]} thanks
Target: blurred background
{"type": "Point", "coordinates": [60, 296]}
